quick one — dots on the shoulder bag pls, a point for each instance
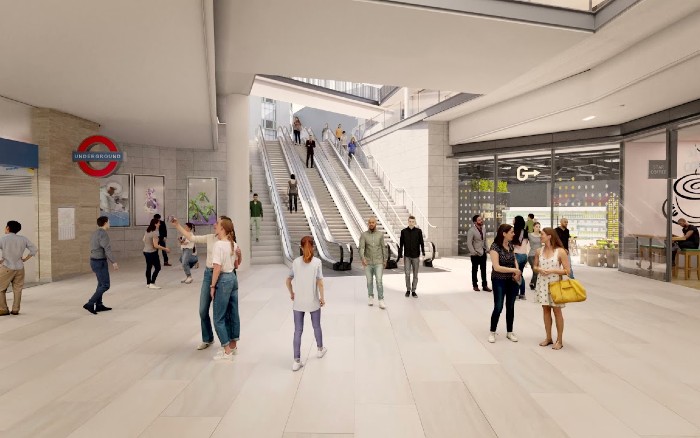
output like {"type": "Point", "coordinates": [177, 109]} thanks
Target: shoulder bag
{"type": "Point", "coordinates": [567, 291]}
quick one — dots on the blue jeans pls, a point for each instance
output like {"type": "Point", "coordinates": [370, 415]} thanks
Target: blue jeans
{"type": "Point", "coordinates": [204, 304]}
{"type": "Point", "coordinates": [222, 301]}
{"type": "Point", "coordinates": [507, 289]}
{"type": "Point", "coordinates": [299, 329]}
{"type": "Point", "coordinates": [522, 261]}
{"type": "Point", "coordinates": [376, 271]}
{"type": "Point", "coordinates": [101, 270]}
{"type": "Point", "coordinates": [188, 260]}
{"type": "Point", "coordinates": [233, 318]}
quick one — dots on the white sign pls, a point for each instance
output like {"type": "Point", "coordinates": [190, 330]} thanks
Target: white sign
{"type": "Point", "coordinates": [66, 223]}
{"type": "Point", "coordinates": [524, 173]}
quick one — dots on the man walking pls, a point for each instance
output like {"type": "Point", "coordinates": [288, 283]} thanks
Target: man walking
{"type": "Point", "coordinates": [256, 215]}
{"type": "Point", "coordinates": [476, 244]}
{"type": "Point", "coordinates": [100, 253]}
{"type": "Point", "coordinates": [162, 236]}
{"type": "Point", "coordinates": [12, 265]}
{"type": "Point", "coordinates": [374, 255]}
{"type": "Point", "coordinates": [310, 145]}
{"type": "Point", "coordinates": [411, 246]}
{"type": "Point", "coordinates": [563, 233]}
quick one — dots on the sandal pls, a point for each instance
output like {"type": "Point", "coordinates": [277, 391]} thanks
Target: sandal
{"type": "Point", "coordinates": [558, 346]}
{"type": "Point", "coordinates": [546, 342]}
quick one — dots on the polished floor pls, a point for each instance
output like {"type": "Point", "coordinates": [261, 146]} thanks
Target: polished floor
{"type": "Point", "coordinates": [630, 366]}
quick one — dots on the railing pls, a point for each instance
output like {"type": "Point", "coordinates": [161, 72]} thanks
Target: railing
{"type": "Point", "coordinates": [351, 216]}
{"type": "Point", "coordinates": [319, 228]}
{"type": "Point", "coordinates": [376, 198]}
{"type": "Point", "coordinates": [285, 239]}
{"type": "Point", "coordinates": [365, 91]}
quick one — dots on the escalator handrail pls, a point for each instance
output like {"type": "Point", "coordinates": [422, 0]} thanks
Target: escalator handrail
{"type": "Point", "coordinates": [285, 239]}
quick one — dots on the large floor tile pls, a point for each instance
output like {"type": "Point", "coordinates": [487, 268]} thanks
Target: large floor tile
{"type": "Point", "coordinates": [386, 420]}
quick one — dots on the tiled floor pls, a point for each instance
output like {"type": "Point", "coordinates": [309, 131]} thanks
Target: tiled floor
{"type": "Point", "coordinates": [420, 368]}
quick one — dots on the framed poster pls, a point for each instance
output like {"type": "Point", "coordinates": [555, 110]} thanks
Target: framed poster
{"type": "Point", "coordinates": [149, 197]}
{"type": "Point", "coordinates": [115, 197]}
{"type": "Point", "coordinates": [201, 201]}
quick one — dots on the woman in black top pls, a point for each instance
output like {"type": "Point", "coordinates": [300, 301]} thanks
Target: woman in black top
{"type": "Point", "coordinates": [505, 277]}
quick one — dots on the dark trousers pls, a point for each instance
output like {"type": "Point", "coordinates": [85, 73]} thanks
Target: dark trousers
{"type": "Point", "coordinates": [297, 136]}
{"type": "Point", "coordinates": [101, 270]}
{"type": "Point", "coordinates": [508, 290]}
{"type": "Point", "coordinates": [293, 201]}
{"type": "Point", "coordinates": [683, 244]}
{"type": "Point", "coordinates": [152, 262]}
{"type": "Point", "coordinates": [161, 242]}
{"type": "Point", "coordinates": [310, 157]}
{"type": "Point", "coordinates": [479, 262]}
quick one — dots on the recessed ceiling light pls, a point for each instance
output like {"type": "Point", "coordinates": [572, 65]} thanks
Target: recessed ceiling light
{"type": "Point", "coordinates": [588, 118]}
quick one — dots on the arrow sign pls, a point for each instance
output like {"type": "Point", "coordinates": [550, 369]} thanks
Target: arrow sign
{"type": "Point", "coordinates": [524, 172]}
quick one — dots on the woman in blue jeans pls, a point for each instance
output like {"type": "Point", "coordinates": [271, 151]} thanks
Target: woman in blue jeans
{"type": "Point", "coordinates": [521, 248]}
{"type": "Point", "coordinates": [505, 277]}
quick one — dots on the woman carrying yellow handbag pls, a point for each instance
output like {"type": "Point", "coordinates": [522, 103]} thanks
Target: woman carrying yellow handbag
{"type": "Point", "coordinates": [551, 262]}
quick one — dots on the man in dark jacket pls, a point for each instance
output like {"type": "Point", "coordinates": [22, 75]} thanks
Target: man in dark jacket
{"type": "Point", "coordinates": [310, 145]}
{"type": "Point", "coordinates": [162, 235]}
{"type": "Point", "coordinates": [411, 247]}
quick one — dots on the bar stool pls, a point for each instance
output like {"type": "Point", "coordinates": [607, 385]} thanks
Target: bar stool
{"type": "Point", "coordinates": [689, 254]}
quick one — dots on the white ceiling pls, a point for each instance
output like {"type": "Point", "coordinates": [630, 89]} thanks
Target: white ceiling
{"type": "Point", "coordinates": [645, 61]}
{"type": "Point", "coordinates": [138, 68]}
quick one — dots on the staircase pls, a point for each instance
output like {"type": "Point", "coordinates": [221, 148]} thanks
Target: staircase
{"type": "Point", "coordinates": [297, 224]}
{"type": "Point", "coordinates": [360, 202]}
{"type": "Point", "coordinates": [331, 214]}
{"type": "Point", "coordinates": [401, 210]}
{"type": "Point", "coordinates": [268, 250]}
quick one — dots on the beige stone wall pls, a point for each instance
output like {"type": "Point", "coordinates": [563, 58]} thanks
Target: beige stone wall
{"type": "Point", "coordinates": [63, 184]}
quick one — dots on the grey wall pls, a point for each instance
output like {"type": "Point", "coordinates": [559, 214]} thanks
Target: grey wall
{"type": "Point", "coordinates": [529, 195]}
{"type": "Point", "coordinates": [176, 165]}
{"type": "Point", "coordinates": [316, 119]}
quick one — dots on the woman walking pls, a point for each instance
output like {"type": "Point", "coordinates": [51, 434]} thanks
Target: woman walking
{"type": "Point", "coordinates": [297, 130]}
{"type": "Point", "coordinates": [189, 259]}
{"type": "Point", "coordinates": [551, 262]}
{"type": "Point", "coordinates": [150, 252]}
{"type": "Point", "coordinates": [521, 247]}
{"type": "Point", "coordinates": [292, 192]}
{"type": "Point", "coordinates": [505, 277]}
{"type": "Point", "coordinates": [305, 285]}
{"type": "Point", "coordinates": [535, 244]}
{"type": "Point", "coordinates": [224, 291]}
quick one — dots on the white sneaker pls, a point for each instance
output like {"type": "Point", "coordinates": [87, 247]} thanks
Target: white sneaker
{"type": "Point", "coordinates": [512, 337]}
{"type": "Point", "coordinates": [370, 302]}
{"type": "Point", "coordinates": [492, 337]}
{"type": "Point", "coordinates": [381, 304]}
{"type": "Point", "coordinates": [203, 345]}
{"type": "Point", "coordinates": [322, 352]}
{"type": "Point", "coordinates": [234, 350]}
{"type": "Point", "coordinates": [296, 365]}
{"type": "Point", "coordinates": [221, 355]}
{"type": "Point", "coordinates": [153, 286]}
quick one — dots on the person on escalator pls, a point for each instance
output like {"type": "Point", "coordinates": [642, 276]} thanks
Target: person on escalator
{"type": "Point", "coordinates": [292, 192]}
{"type": "Point", "coordinates": [297, 130]}
{"type": "Point", "coordinates": [310, 145]}
{"type": "Point", "coordinates": [352, 147]}
{"type": "Point", "coordinates": [339, 133]}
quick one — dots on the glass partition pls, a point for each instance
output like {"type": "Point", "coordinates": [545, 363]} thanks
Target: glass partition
{"type": "Point", "coordinates": [476, 196]}
{"type": "Point", "coordinates": [685, 204]}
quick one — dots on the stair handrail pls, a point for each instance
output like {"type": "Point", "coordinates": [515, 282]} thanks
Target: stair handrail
{"type": "Point", "coordinates": [319, 228]}
{"type": "Point", "coordinates": [373, 195]}
{"type": "Point", "coordinates": [285, 239]}
{"type": "Point", "coordinates": [346, 207]}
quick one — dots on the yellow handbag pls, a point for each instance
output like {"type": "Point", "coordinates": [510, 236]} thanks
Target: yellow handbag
{"type": "Point", "coordinates": [567, 291]}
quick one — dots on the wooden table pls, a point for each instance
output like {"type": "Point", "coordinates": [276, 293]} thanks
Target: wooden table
{"type": "Point", "coordinates": [651, 238]}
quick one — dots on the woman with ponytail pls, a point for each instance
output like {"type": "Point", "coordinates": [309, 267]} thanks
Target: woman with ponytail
{"type": "Point", "coordinates": [224, 290]}
{"type": "Point", "coordinates": [305, 284]}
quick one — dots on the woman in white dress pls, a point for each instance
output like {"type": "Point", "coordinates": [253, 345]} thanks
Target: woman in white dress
{"type": "Point", "coordinates": [551, 262]}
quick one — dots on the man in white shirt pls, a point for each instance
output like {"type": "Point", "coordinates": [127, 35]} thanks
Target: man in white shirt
{"type": "Point", "coordinates": [205, 296]}
{"type": "Point", "coordinates": [12, 265]}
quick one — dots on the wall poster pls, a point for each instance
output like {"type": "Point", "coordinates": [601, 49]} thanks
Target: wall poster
{"type": "Point", "coordinates": [149, 196]}
{"type": "Point", "coordinates": [115, 196]}
{"type": "Point", "coordinates": [201, 201]}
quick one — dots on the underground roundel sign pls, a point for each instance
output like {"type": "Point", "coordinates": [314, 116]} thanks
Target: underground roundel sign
{"type": "Point", "coordinates": [84, 156]}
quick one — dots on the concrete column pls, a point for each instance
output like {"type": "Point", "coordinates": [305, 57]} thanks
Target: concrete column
{"type": "Point", "coordinates": [237, 167]}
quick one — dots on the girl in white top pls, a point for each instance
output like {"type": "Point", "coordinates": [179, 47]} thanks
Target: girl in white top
{"type": "Point", "coordinates": [224, 291]}
{"type": "Point", "coordinates": [189, 259]}
{"type": "Point", "coordinates": [305, 284]}
{"type": "Point", "coordinates": [551, 262]}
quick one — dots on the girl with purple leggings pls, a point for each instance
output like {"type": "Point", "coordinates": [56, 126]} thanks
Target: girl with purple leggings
{"type": "Point", "coordinates": [305, 284]}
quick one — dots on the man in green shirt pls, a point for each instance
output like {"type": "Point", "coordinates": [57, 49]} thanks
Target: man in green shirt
{"type": "Point", "coordinates": [374, 253]}
{"type": "Point", "coordinates": [256, 215]}
{"type": "Point", "coordinates": [530, 224]}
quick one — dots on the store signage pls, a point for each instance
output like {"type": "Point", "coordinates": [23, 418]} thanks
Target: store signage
{"type": "Point", "coordinates": [658, 169]}
{"type": "Point", "coordinates": [83, 156]}
{"type": "Point", "coordinates": [524, 172]}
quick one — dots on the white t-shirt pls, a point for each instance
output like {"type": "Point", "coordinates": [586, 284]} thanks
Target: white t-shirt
{"type": "Point", "coordinates": [209, 240]}
{"type": "Point", "coordinates": [304, 276]}
{"type": "Point", "coordinates": [223, 255]}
